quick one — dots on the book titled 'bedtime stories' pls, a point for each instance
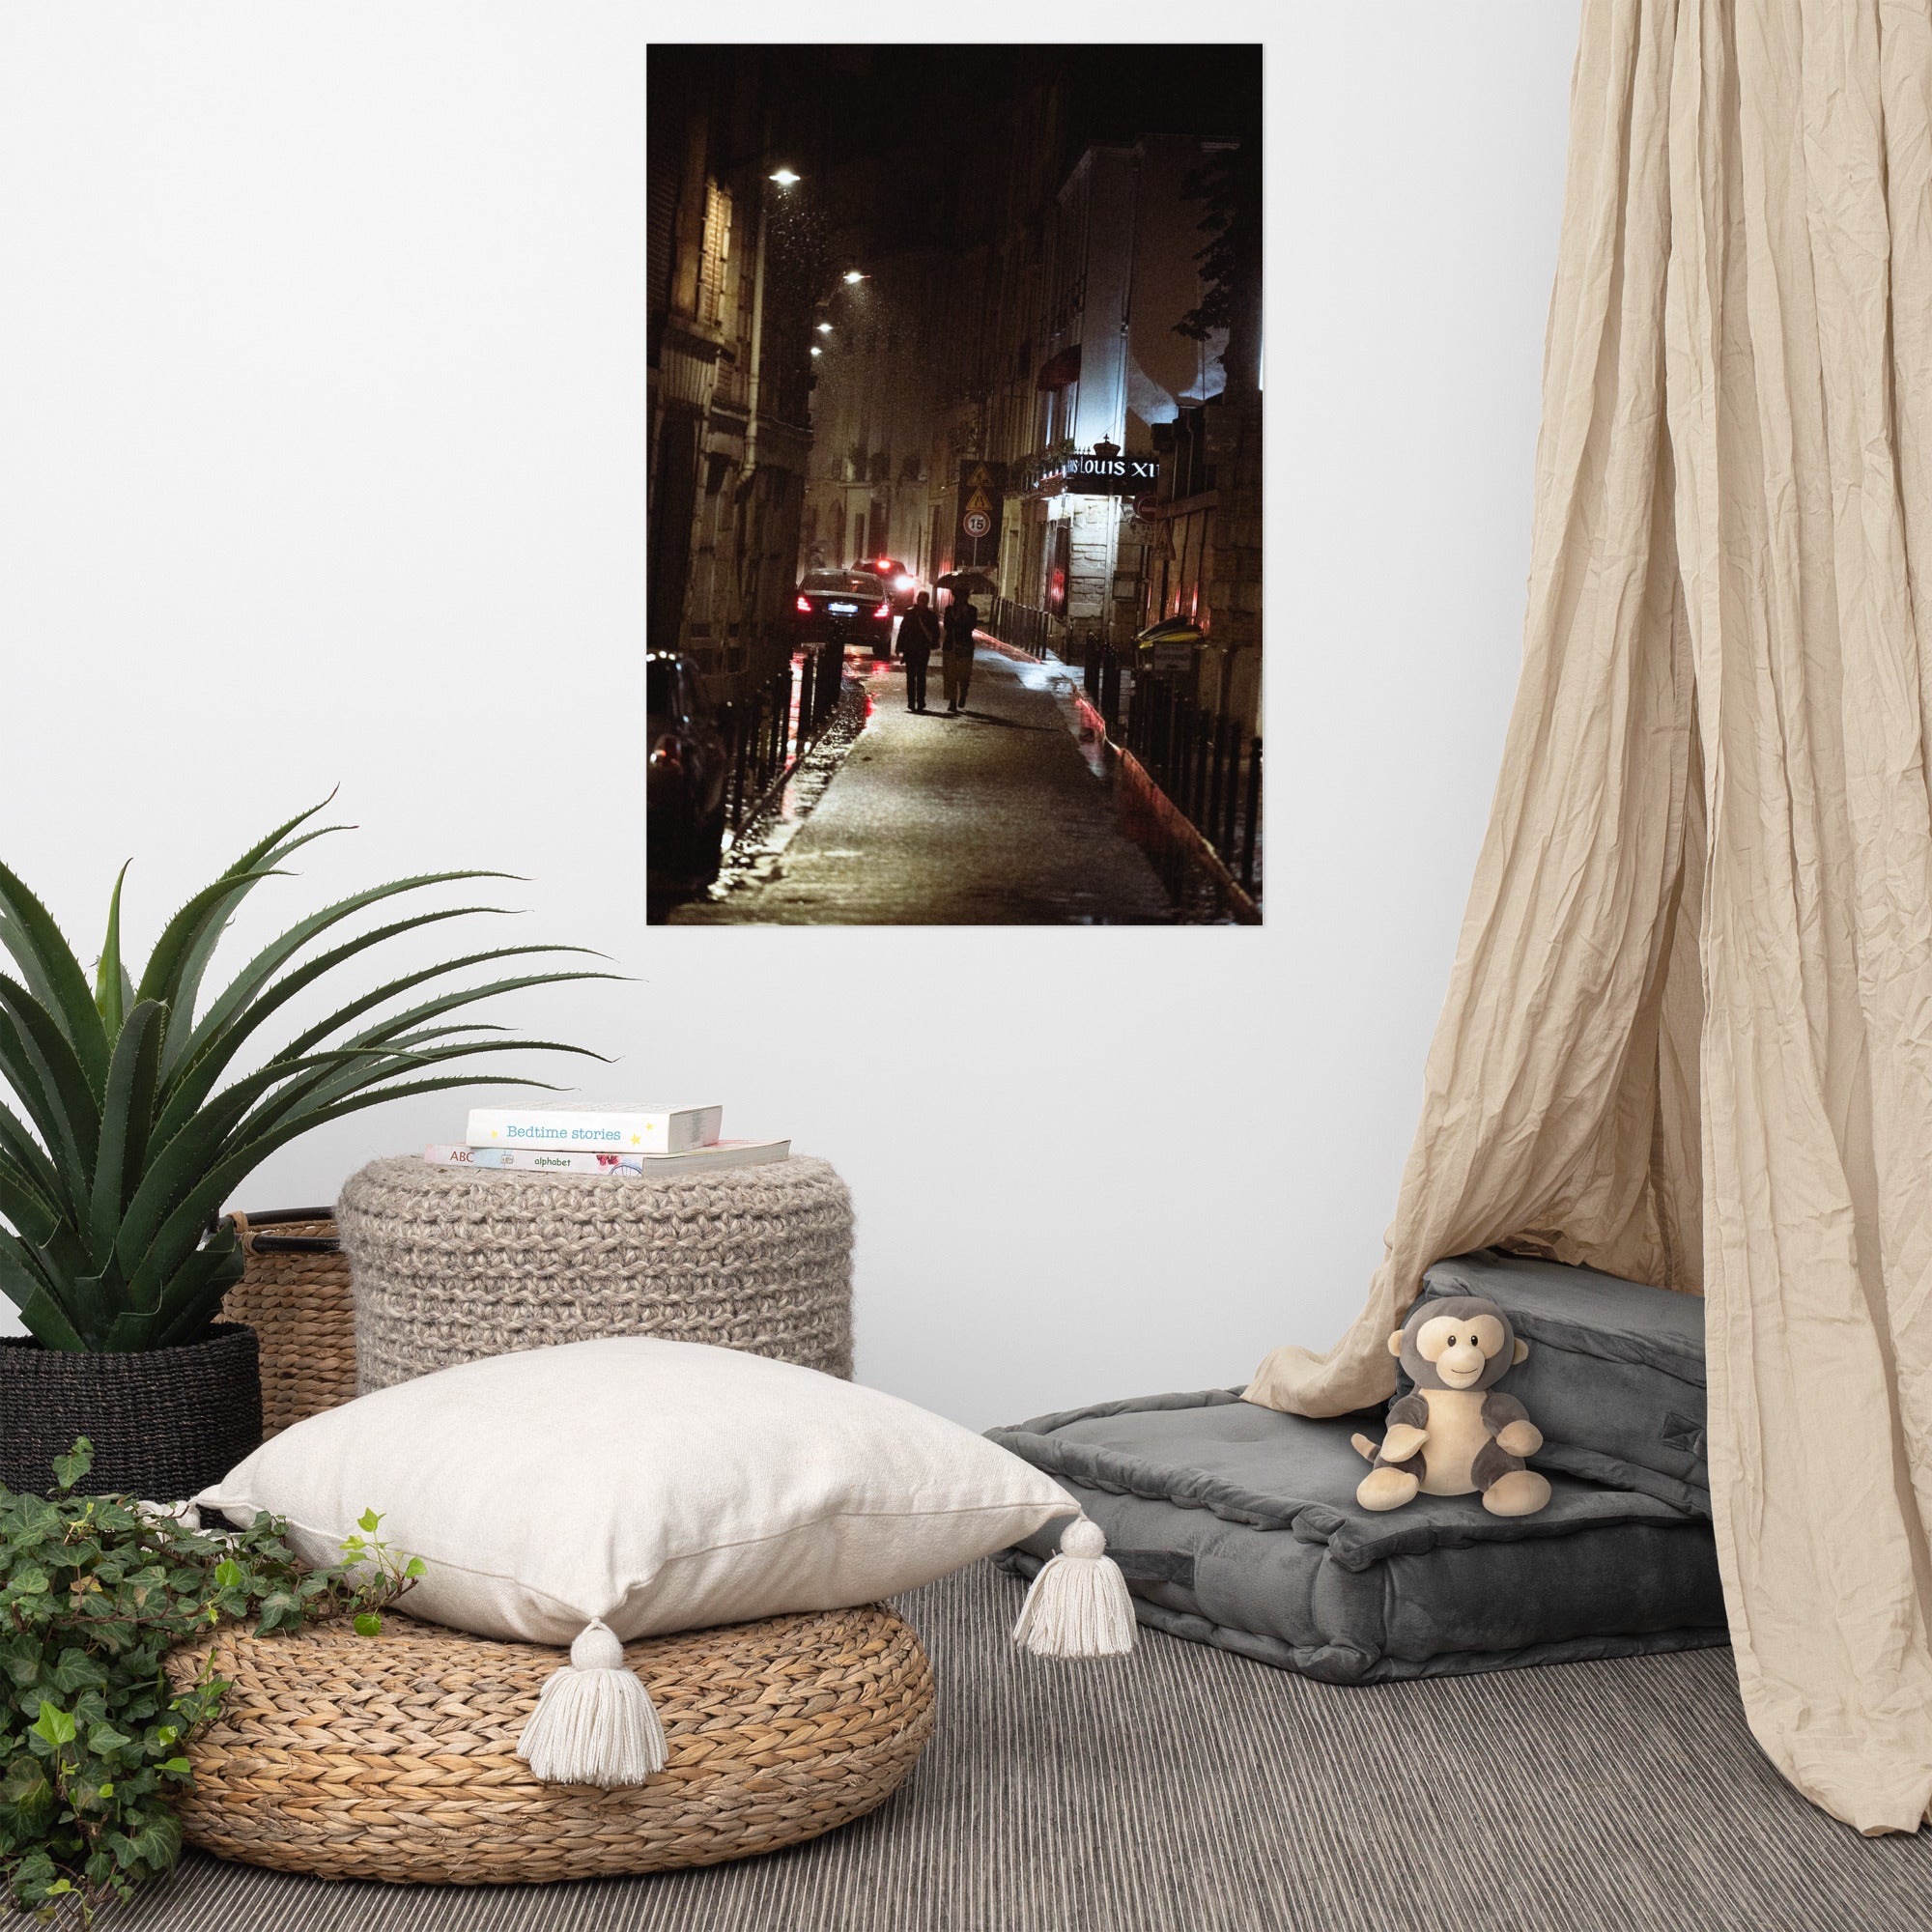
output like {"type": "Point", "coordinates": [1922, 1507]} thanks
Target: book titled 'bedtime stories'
{"type": "Point", "coordinates": [623, 1129]}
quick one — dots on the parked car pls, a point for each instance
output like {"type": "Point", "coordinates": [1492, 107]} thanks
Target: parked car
{"type": "Point", "coordinates": [685, 771]}
{"type": "Point", "coordinates": [844, 607]}
{"type": "Point", "coordinates": [901, 585]}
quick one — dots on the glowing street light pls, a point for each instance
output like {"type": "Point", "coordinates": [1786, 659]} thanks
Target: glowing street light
{"type": "Point", "coordinates": [853, 275]}
{"type": "Point", "coordinates": [816, 351]}
{"type": "Point", "coordinates": [784, 176]}
{"type": "Point", "coordinates": [825, 328]}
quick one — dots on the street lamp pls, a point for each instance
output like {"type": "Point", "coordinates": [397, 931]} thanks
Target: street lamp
{"type": "Point", "coordinates": [825, 328]}
{"type": "Point", "coordinates": [853, 275]}
{"type": "Point", "coordinates": [816, 351]}
{"type": "Point", "coordinates": [784, 178]}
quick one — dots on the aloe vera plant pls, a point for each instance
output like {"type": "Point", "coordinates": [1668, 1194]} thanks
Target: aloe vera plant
{"type": "Point", "coordinates": [124, 1141]}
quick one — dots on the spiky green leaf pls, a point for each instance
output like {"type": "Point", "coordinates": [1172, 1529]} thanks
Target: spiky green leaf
{"type": "Point", "coordinates": [41, 1065]}
{"type": "Point", "coordinates": [265, 964]}
{"type": "Point", "coordinates": [111, 978]}
{"type": "Point", "coordinates": [47, 965]}
{"type": "Point", "coordinates": [127, 1113]}
{"type": "Point", "coordinates": [30, 1194]}
{"type": "Point", "coordinates": [266, 854]}
{"type": "Point", "coordinates": [177, 1158]}
{"type": "Point", "coordinates": [26, 1282]}
{"type": "Point", "coordinates": [122, 1145]}
{"type": "Point", "coordinates": [216, 1044]}
{"type": "Point", "coordinates": [447, 1002]}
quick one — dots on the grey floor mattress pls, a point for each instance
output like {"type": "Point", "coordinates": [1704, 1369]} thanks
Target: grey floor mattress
{"type": "Point", "coordinates": [1238, 1526]}
{"type": "Point", "coordinates": [1615, 1375]}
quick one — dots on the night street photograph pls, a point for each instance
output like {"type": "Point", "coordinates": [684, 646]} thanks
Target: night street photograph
{"type": "Point", "coordinates": [954, 514]}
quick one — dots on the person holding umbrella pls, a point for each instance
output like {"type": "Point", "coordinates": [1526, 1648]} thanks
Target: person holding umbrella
{"type": "Point", "coordinates": [956, 661]}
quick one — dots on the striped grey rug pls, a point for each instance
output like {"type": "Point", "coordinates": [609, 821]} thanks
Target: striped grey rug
{"type": "Point", "coordinates": [1188, 1791]}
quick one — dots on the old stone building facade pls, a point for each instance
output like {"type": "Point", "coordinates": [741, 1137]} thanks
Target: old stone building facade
{"type": "Point", "coordinates": [732, 281]}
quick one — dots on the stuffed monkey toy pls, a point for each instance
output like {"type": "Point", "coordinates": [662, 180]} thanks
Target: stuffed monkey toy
{"type": "Point", "coordinates": [1456, 1433]}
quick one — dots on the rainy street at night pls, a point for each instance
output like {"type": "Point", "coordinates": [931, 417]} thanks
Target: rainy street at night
{"type": "Point", "coordinates": [955, 548]}
{"type": "Point", "coordinates": [991, 818]}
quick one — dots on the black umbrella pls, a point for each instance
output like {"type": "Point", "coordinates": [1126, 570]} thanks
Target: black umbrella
{"type": "Point", "coordinates": [974, 583]}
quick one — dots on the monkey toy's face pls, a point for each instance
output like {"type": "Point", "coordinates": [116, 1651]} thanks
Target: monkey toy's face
{"type": "Point", "coordinates": [1456, 1342]}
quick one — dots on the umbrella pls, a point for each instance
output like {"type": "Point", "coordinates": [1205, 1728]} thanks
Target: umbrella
{"type": "Point", "coordinates": [1171, 631]}
{"type": "Point", "coordinates": [973, 583]}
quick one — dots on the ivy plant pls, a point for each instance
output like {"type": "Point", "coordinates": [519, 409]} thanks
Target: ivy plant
{"type": "Point", "coordinates": [95, 1591]}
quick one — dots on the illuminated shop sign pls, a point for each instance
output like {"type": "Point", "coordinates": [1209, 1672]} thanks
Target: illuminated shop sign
{"type": "Point", "coordinates": [1110, 475]}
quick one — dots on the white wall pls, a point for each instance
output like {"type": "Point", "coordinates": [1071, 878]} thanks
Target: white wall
{"type": "Point", "coordinates": [322, 433]}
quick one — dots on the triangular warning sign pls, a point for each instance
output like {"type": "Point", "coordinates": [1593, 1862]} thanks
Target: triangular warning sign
{"type": "Point", "coordinates": [981, 477]}
{"type": "Point", "coordinates": [981, 502]}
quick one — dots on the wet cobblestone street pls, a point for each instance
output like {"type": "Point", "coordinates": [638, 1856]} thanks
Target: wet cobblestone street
{"type": "Point", "coordinates": [994, 818]}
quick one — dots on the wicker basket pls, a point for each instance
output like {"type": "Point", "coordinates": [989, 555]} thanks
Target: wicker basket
{"type": "Point", "coordinates": [164, 1422]}
{"type": "Point", "coordinates": [395, 1756]}
{"type": "Point", "coordinates": [295, 1296]}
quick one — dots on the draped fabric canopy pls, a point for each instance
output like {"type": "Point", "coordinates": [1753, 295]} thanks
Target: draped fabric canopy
{"type": "Point", "coordinates": [1689, 1031]}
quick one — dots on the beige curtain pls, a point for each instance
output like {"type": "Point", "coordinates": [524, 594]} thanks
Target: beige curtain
{"type": "Point", "coordinates": [1688, 1032]}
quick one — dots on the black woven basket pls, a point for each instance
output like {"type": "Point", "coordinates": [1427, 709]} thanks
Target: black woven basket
{"type": "Point", "coordinates": [164, 1422]}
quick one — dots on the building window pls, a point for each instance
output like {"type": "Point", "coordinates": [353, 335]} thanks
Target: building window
{"type": "Point", "coordinates": [714, 258]}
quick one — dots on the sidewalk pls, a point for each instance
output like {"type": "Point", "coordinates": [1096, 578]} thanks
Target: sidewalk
{"type": "Point", "coordinates": [989, 818]}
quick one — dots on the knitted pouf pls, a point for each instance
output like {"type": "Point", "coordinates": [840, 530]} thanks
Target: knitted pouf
{"type": "Point", "coordinates": [395, 1756]}
{"type": "Point", "coordinates": [454, 1263]}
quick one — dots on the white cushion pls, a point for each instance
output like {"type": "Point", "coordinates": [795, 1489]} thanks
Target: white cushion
{"type": "Point", "coordinates": [655, 1485]}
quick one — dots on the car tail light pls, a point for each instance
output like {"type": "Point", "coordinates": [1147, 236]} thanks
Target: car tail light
{"type": "Point", "coordinates": [885, 609]}
{"type": "Point", "coordinates": [803, 606]}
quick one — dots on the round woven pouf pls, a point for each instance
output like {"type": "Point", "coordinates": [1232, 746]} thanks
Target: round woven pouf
{"type": "Point", "coordinates": [453, 1263]}
{"type": "Point", "coordinates": [395, 1756]}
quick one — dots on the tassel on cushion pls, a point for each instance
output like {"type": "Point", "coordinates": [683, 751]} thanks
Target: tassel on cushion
{"type": "Point", "coordinates": [1079, 1605]}
{"type": "Point", "coordinates": [594, 1723]}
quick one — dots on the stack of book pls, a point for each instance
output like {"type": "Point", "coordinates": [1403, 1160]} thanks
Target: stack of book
{"type": "Point", "coordinates": [602, 1140]}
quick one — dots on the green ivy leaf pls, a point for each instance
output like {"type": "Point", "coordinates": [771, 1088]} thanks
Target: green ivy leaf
{"type": "Point", "coordinates": [74, 1670]}
{"type": "Point", "coordinates": [24, 1783]}
{"type": "Point", "coordinates": [70, 1469]}
{"type": "Point", "coordinates": [53, 1725]}
{"type": "Point", "coordinates": [93, 1596]}
{"type": "Point", "coordinates": [416, 1567]}
{"type": "Point", "coordinates": [21, 1660]}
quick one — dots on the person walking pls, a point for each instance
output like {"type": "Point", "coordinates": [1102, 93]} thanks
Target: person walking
{"type": "Point", "coordinates": [955, 660]}
{"type": "Point", "coordinates": [919, 638]}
